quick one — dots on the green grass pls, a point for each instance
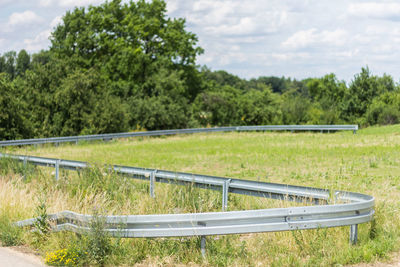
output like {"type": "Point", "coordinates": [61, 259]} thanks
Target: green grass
{"type": "Point", "coordinates": [368, 162]}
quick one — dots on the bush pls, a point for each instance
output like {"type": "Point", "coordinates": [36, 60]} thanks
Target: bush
{"type": "Point", "coordinates": [158, 113]}
{"type": "Point", "coordinates": [384, 109]}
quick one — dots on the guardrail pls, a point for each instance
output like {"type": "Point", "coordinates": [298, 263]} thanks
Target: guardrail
{"type": "Point", "coordinates": [291, 128]}
{"type": "Point", "coordinates": [340, 209]}
{"type": "Point", "coordinates": [332, 209]}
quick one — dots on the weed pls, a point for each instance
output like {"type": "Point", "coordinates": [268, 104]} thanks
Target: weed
{"type": "Point", "coordinates": [99, 243]}
{"type": "Point", "coordinates": [41, 224]}
{"type": "Point", "coordinates": [10, 234]}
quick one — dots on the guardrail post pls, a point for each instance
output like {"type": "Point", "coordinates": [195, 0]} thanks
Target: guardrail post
{"type": "Point", "coordinates": [225, 191]}
{"type": "Point", "coordinates": [203, 246]}
{"type": "Point", "coordinates": [152, 181]}
{"type": "Point", "coordinates": [353, 234]}
{"type": "Point", "coordinates": [25, 166]}
{"type": "Point", "coordinates": [57, 166]}
{"type": "Point", "coordinates": [354, 131]}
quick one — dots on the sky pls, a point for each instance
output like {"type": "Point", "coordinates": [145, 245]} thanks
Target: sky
{"type": "Point", "coordinates": [251, 38]}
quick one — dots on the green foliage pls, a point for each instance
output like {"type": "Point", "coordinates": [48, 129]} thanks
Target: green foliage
{"type": "Point", "coordinates": [10, 234]}
{"type": "Point", "coordinates": [121, 66]}
{"type": "Point", "coordinates": [98, 241]}
{"type": "Point", "coordinates": [295, 109]}
{"type": "Point", "coordinates": [384, 109]}
{"type": "Point", "coordinates": [230, 106]}
{"type": "Point", "coordinates": [158, 113]}
{"type": "Point", "coordinates": [23, 62]}
{"type": "Point", "coordinates": [41, 224]}
{"type": "Point", "coordinates": [13, 122]}
{"type": "Point", "coordinates": [363, 89]}
{"type": "Point", "coordinates": [126, 42]}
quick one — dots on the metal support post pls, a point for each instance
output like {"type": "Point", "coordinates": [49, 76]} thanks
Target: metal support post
{"type": "Point", "coordinates": [353, 234]}
{"type": "Point", "coordinates": [152, 181]}
{"type": "Point", "coordinates": [354, 132]}
{"type": "Point", "coordinates": [203, 246]}
{"type": "Point", "coordinates": [57, 166]}
{"type": "Point", "coordinates": [25, 166]}
{"type": "Point", "coordinates": [225, 191]}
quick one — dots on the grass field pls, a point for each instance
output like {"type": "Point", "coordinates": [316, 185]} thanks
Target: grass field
{"type": "Point", "coordinates": [368, 162]}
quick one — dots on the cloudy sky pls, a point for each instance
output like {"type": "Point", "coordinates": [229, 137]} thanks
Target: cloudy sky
{"type": "Point", "coordinates": [250, 38]}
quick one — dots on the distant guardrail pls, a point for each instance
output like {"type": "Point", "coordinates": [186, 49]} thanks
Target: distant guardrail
{"type": "Point", "coordinates": [332, 209]}
{"type": "Point", "coordinates": [56, 140]}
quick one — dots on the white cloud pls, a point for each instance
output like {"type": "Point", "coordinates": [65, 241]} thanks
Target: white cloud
{"type": "Point", "coordinates": [225, 18]}
{"type": "Point", "coordinates": [73, 3]}
{"type": "Point", "coordinates": [57, 20]}
{"type": "Point", "coordinates": [306, 38]}
{"type": "Point", "coordinates": [69, 3]}
{"type": "Point", "coordinates": [301, 39]}
{"type": "Point", "coordinates": [172, 6]}
{"type": "Point", "coordinates": [39, 42]}
{"type": "Point", "coordinates": [250, 37]}
{"type": "Point", "coordinates": [377, 10]}
{"type": "Point", "coordinates": [23, 18]}
{"type": "Point", "coordinates": [337, 37]}
{"type": "Point", "coordinates": [45, 3]}
{"type": "Point", "coordinates": [290, 56]}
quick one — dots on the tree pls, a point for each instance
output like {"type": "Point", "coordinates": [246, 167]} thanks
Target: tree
{"type": "Point", "coordinates": [126, 42]}
{"type": "Point", "coordinates": [362, 91]}
{"type": "Point", "coordinates": [84, 107]}
{"type": "Point", "coordinates": [384, 109]}
{"type": "Point", "coordinates": [9, 63]}
{"type": "Point", "coordinates": [13, 123]}
{"type": "Point", "coordinates": [23, 62]}
{"type": "Point", "coordinates": [278, 85]}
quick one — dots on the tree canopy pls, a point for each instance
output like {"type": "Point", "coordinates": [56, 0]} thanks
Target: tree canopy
{"type": "Point", "coordinates": [123, 66]}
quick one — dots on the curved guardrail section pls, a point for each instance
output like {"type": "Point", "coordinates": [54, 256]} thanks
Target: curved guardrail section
{"type": "Point", "coordinates": [331, 209]}
{"type": "Point", "coordinates": [292, 128]}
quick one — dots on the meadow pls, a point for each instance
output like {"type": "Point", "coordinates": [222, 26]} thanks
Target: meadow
{"type": "Point", "coordinates": [367, 162]}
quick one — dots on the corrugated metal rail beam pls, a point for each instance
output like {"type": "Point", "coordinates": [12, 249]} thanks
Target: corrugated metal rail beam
{"type": "Point", "coordinates": [341, 209]}
{"type": "Point", "coordinates": [56, 140]}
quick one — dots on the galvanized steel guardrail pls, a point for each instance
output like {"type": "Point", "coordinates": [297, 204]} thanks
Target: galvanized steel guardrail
{"type": "Point", "coordinates": [332, 209]}
{"type": "Point", "coordinates": [292, 128]}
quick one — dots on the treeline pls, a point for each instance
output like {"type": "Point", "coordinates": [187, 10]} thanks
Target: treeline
{"type": "Point", "coordinates": [122, 67]}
